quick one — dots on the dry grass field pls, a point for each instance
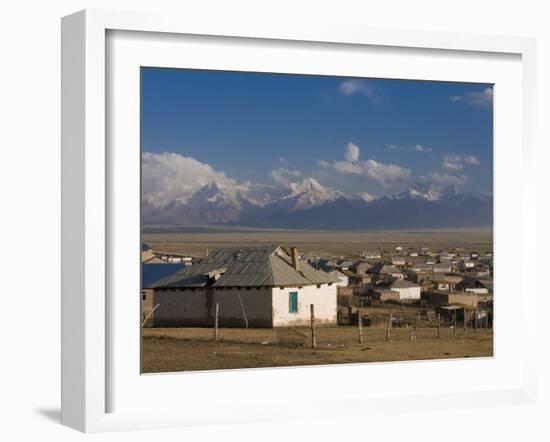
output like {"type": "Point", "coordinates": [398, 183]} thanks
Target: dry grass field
{"type": "Point", "coordinates": [183, 349]}
{"type": "Point", "coordinates": [192, 349]}
{"type": "Point", "coordinates": [193, 241]}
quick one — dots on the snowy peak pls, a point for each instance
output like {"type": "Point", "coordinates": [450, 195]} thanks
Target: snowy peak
{"type": "Point", "coordinates": [212, 195]}
{"type": "Point", "coordinates": [307, 185]}
{"type": "Point", "coordinates": [309, 193]}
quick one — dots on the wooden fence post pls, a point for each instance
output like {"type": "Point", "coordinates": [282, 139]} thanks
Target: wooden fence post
{"type": "Point", "coordinates": [216, 335]}
{"type": "Point", "coordinates": [454, 325]}
{"type": "Point", "coordinates": [313, 336]}
{"type": "Point", "coordinates": [465, 324]}
{"type": "Point", "coordinates": [475, 321]}
{"type": "Point", "coordinates": [439, 326]}
{"type": "Point", "coordinates": [360, 326]}
{"type": "Point", "coordinates": [388, 327]}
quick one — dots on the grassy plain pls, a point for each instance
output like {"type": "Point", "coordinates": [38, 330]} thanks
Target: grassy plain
{"type": "Point", "coordinates": [193, 241]}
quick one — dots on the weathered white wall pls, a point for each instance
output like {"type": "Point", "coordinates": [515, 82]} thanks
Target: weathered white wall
{"type": "Point", "coordinates": [343, 280]}
{"type": "Point", "coordinates": [479, 290]}
{"type": "Point", "coordinates": [408, 292]}
{"type": "Point", "coordinates": [197, 307]}
{"type": "Point", "coordinates": [324, 299]}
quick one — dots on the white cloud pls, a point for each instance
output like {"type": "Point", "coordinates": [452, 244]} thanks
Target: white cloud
{"type": "Point", "coordinates": [456, 162]}
{"type": "Point", "coordinates": [352, 152]}
{"type": "Point", "coordinates": [483, 99]}
{"type": "Point", "coordinates": [472, 160]}
{"type": "Point", "coordinates": [452, 162]}
{"type": "Point", "coordinates": [383, 174]}
{"type": "Point", "coordinates": [415, 148]}
{"type": "Point", "coordinates": [445, 179]}
{"type": "Point", "coordinates": [167, 177]}
{"type": "Point", "coordinates": [323, 163]}
{"type": "Point", "coordinates": [348, 167]}
{"type": "Point", "coordinates": [285, 177]}
{"type": "Point", "coordinates": [420, 148]}
{"type": "Point", "coordinates": [354, 86]}
{"type": "Point", "coordinates": [386, 173]}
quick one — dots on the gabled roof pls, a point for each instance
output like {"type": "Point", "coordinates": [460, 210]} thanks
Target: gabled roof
{"type": "Point", "coordinates": [396, 284]}
{"type": "Point", "coordinates": [402, 284]}
{"type": "Point", "coordinates": [155, 260]}
{"type": "Point", "coordinates": [382, 268]}
{"type": "Point", "coordinates": [249, 266]}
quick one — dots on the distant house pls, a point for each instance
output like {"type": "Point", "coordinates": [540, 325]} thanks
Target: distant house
{"type": "Point", "coordinates": [258, 286]}
{"type": "Point", "coordinates": [406, 289]}
{"type": "Point", "coordinates": [475, 285]}
{"type": "Point", "coordinates": [343, 264]}
{"type": "Point", "coordinates": [398, 260]}
{"type": "Point", "coordinates": [371, 254]}
{"type": "Point", "coordinates": [466, 264]}
{"type": "Point", "coordinates": [437, 298]}
{"type": "Point", "coordinates": [385, 294]}
{"type": "Point", "coordinates": [382, 270]}
{"type": "Point", "coordinates": [154, 259]}
{"type": "Point", "coordinates": [175, 258]}
{"type": "Point", "coordinates": [441, 268]}
{"type": "Point", "coordinates": [421, 268]}
{"type": "Point", "coordinates": [326, 265]}
{"type": "Point", "coordinates": [357, 279]}
{"type": "Point", "coordinates": [446, 256]}
{"type": "Point", "coordinates": [361, 267]}
{"type": "Point", "coordinates": [343, 279]}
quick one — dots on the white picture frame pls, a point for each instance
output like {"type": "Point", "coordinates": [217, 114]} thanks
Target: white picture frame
{"type": "Point", "coordinates": [87, 355]}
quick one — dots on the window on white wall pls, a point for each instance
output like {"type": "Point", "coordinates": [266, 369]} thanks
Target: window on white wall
{"type": "Point", "coordinates": [293, 302]}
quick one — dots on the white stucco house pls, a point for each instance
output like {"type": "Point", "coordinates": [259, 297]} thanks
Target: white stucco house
{"type": "Point", "coordinates": [258, 286]}
{"type": "Point", "coordinates": [406, 289]}
{"type": "Point", "coordinates": [343, 279]}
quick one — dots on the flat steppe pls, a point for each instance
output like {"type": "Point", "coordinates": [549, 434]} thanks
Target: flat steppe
{"type": "Point", "coordinates": [193, 241]}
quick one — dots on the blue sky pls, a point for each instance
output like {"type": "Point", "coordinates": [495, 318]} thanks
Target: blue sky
{"type": "Point", "coordinates": [356, 135]}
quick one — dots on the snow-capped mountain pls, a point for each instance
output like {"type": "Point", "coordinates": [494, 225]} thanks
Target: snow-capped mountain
{"type": "Point", "coordinates": [307, 194]}
{"type": "Point", "coordinates": [309, 205]}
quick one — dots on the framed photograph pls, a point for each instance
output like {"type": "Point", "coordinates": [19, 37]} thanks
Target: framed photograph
{"type": "Point", "coordinates": [252, 212]}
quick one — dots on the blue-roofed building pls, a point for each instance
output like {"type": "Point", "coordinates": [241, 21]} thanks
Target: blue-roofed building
{"type": "Point", "coordinates": [151, 273]}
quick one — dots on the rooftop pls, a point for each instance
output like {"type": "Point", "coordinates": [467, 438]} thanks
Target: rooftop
{"type": "Point", "coordinates": [248, 266]}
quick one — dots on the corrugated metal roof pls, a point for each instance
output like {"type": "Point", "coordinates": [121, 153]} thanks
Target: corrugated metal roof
{"type": "Point", "coordinates": [249, 266]}
{"type": "Point", "coordinates": [402, 284]}
{"type": "Point", "coordinates": [383, 268]}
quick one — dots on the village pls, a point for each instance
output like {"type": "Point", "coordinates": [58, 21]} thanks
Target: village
{"type": "Point", "coordinates": [261, 305]}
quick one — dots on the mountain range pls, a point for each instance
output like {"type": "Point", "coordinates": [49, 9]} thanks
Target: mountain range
{"type": "Point", "coordinates": [309, 205]}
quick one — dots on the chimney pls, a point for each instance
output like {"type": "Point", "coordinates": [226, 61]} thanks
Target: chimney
{"type": "Point", "coordinates": [294, 256]}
